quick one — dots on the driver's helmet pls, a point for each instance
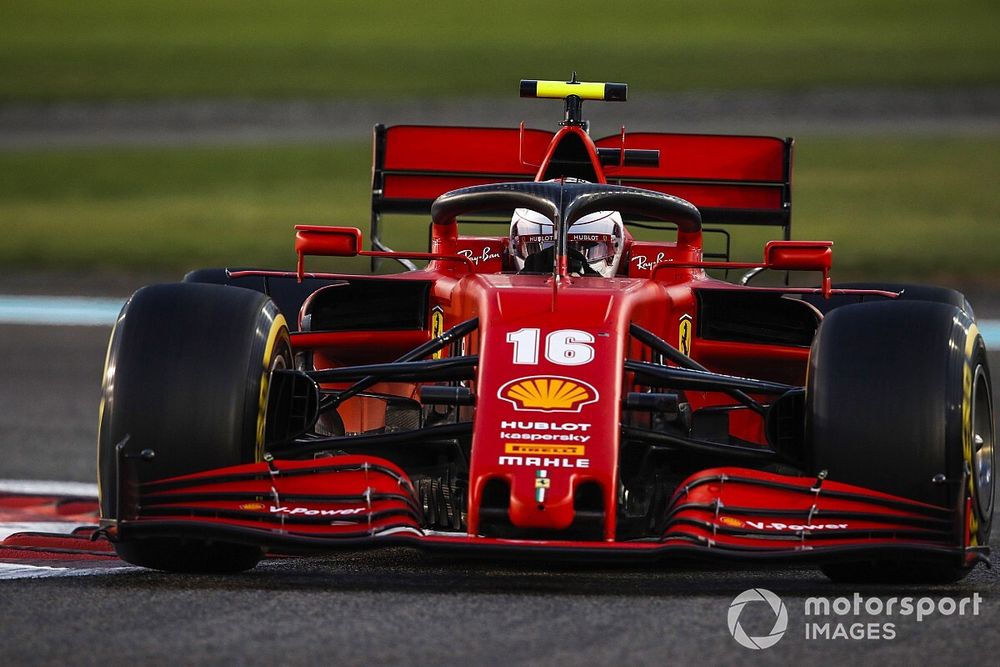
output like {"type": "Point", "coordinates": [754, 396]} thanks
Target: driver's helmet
{"type": "Point", "coordinates": [595, 242]}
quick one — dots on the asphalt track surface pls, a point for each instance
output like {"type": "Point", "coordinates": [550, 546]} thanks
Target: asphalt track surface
{"type": "Point", "coordinates": [854, 112]}
{"type": "Point", "coordinates": [399, 606]}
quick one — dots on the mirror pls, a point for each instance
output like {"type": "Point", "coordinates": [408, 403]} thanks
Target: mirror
{"type": "Point", "coordinates": [327, 241]}
{"type": "Point", "coordinates": [799, 255]}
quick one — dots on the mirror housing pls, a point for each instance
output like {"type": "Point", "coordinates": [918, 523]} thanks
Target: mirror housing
{"type": "Point", "coordinates": [799, 255]}
{"type": "Point", "coordinates": [325, 241]}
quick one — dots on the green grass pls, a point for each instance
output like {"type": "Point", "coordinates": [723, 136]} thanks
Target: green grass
{"type": "Point", "coordinates": [903, 208]}
{"type": "Point", "coordinates": [174, 208]}
{"type": "Point", "coordinates": [917, 208]}
{"type": "Point", "coordinates": [103, 49]}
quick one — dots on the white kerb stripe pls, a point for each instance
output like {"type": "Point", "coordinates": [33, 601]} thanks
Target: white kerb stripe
{"type": "Point", "coordinates": [21, 571]}
{"type": "Point", "coordinates": [42, 487]}
{"type": "Point", "coordinates": [59, 527]}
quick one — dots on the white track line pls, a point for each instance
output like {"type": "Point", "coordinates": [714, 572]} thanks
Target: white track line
{"type": "Point", "coordinates": [59, 310]}
{"type": "Point", "coordinates": [45, 488]}
{"type": "Point", "coordinates": [21, 571]}
{"type": "Point", "coordinates": [88, 311]}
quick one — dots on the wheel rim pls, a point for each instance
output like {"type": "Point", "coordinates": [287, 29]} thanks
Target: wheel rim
{"type": "Point", "coordinates": [982, 443]}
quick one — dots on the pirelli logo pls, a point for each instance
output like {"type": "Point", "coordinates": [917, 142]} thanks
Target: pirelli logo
{"type": "Point", "coordinates": [544, 450]}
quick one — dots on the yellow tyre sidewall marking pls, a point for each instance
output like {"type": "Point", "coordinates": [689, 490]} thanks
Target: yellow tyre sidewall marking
{"type": "Point", "coordinates": [277, 326]}
{"type": "Point", "coordinates": [967, 382]}
{"type": "Point", "coordinates": [101, 408]}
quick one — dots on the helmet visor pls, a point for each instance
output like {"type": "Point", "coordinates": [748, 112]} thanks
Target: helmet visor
{"type": "Point", "coordinates": [595, 247]}
{"type": "Point", "coordinates": [530, 244]}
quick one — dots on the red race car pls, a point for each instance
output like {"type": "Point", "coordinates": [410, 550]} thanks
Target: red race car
{"type": "Point", "coordinates": [561, 388]}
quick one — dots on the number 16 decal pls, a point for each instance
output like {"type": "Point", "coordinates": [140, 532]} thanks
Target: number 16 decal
{"type": "Point", "coordinates": [565, 347]}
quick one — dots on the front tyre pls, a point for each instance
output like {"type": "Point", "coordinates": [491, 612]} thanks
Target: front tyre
{"type": "Point", "coordinates": [899, 400]}
{"type": "Point", "coordinates": [186, 378]}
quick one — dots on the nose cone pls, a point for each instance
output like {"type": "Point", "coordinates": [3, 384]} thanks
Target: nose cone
{"type": "Point", "coordinates": [547, 415]}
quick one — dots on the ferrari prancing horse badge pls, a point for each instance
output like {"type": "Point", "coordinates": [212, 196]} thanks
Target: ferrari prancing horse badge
{"type": "Point", "coordinates": [684, 335]}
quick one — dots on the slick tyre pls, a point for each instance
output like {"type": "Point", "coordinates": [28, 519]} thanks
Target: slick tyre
{"type": "Point", "coordinates": [185, 390]}
{"type": "Point", "coordinates": [899, 400]}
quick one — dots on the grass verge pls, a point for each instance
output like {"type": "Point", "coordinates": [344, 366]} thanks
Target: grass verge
{"type": "Point", "coordinates": [895, 207]}
{"type": "Point", "coordinates": [112, 49]}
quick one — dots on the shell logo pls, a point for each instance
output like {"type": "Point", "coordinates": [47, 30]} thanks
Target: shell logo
{"type": "Point", "coordinates": [253, 506]}
{"type": "Point", "coordinates": [548, 393]}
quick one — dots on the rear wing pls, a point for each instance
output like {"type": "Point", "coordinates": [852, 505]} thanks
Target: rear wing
{"type": "Point", "coordinates": [414, 164]}
{"type": "Point", "coordinates": [733, 180]}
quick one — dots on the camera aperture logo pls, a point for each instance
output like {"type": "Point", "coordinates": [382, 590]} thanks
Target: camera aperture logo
{"type": "Point", "coordinates": [841, 618]}
{"type": "Point", "coordinates": [777, 608]}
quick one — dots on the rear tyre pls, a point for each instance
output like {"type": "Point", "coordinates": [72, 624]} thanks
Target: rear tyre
{"type": "Point", "coordinates": [899, 393]}
{"type": "Point", "coordinates": [186, 377]}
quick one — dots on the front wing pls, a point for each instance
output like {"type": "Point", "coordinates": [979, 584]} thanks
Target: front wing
{"type": "Point", "coordinates": [351, 502]}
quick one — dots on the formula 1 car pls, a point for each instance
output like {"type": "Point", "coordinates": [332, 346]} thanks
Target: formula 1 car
{"type": "Point", "coordinates": [567, 390]}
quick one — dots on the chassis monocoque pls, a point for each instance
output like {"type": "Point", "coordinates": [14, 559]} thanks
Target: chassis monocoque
{"type": "Point", "coordinates": [468, 407]}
